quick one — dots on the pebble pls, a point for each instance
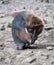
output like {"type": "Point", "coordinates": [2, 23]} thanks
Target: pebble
{"type": "Point", "coordinates": [1, 16]}
{"type": "Point", "coordinates": [2, 57]}
{"type": "Point", "coordinates": [2, 27]}
{"type": "Point", "coordinates": [37, 8]}
{"type": "Point", "coordinates": [45, 21]}
{"type": "Point", "coordinates": [9, 50]}
{"type": "Point", "coordinates": [2, 46]}
{"type": "Point", "coordinates": [7, 61]}
{"type": "Point", "coordinates": [52, 62]}
{"type": "Point", "coordinates": [5, 1]}
{"type": "Point", "coordinates": [29, 60]}
{"type": "Point", "coordinates": [9, 25]}
{"type": "Point", "coordinates": [49, 48]}
{"type": "Point", "coordinates": [49, 28]}
{"type": "Point", "coordinates": [35, 63]}
{"type": "Point", "coordinates": [24, 7]}
{"type": "Point", "coordinates": [46, 64]}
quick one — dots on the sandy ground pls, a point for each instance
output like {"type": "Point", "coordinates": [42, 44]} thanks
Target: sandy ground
{"type": "Point", "coordinates": [42, 52]}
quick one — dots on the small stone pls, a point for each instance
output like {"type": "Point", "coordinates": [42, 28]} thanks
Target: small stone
{"type": "Point", "coordinates": [35, 63]}
{"type": "Point", "coordinates": [45, 21]}
{"type": "Point", "coordinates": [11, 51]}
{"type": "Point", "coordinates": [48, 56]}
{"type": "Point", "coordinates": [24, 7]}
{"type": "Point", "coordinates": [5, 1]}
{"type": "Point", "coordinates": [37, 8]}
{"type": "Point", "coordinates": [41, 0]}
{"type": "Point", "coordinates": [2, 46]}
{"type": "Point", "coordinates": [1, 56]}
{"type": "Point", "coordinates": [46, 15]}
{"type": "Point", "coordinates": [48, 28]}
{"type": "Point", "coordinates": [2, 27]}
{"type": "Point", "coordinates": [47, 63]}
{"type": "Point", "coordinates": [38, 53]}
{"type": "Point", "coordinates": [9, 25]}
{"type": "Point", "coordinates": [47, 1]}
{"type": "Point", "coordinates": [53, 16]}
{"type": "Point", "coordinates": [1, 16]}
{"type": "Point", "coordinates": [29, 60]}
{"type": "Point", "coordinates": [49, 48]}
{"type": "Point", "coordinates": [52, 62]}
{"type": "Point", "coordinates": [7, 61]}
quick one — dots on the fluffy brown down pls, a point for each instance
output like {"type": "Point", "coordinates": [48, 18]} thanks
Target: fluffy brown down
{"type": "Point", "coordinates": [33, 22]}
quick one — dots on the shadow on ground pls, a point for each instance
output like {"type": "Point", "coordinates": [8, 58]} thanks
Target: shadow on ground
{"type": "Point", "coordinates": [40, 46]}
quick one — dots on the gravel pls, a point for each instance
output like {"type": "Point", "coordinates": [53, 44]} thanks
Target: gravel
{"type": "Point", "coordinates": [43, 53]}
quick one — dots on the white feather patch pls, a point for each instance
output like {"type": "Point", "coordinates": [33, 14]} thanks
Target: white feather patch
{"type": "Point", "coordinates": [26, 30]}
